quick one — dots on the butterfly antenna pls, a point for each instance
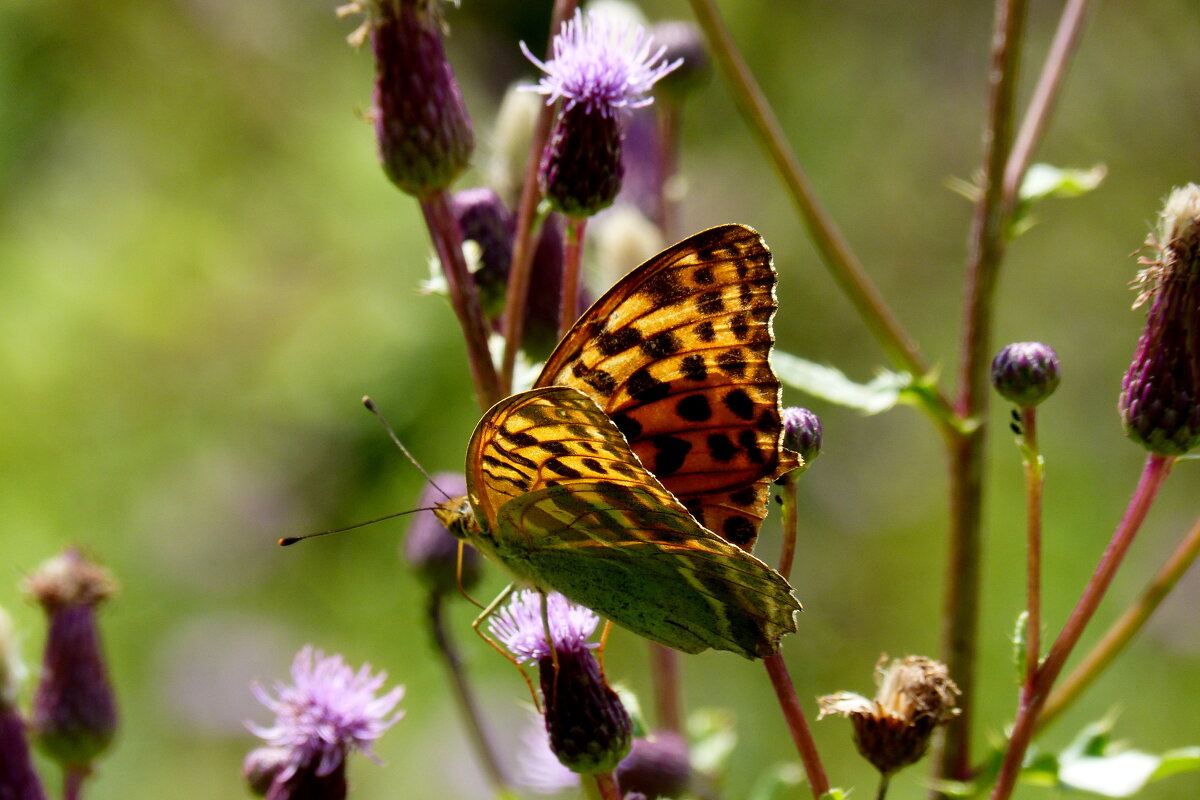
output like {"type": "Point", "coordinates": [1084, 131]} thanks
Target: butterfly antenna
{"type": "Point", "coordinates": [290, 540]}
{"type": "Point", "coordinates": [370, 404]}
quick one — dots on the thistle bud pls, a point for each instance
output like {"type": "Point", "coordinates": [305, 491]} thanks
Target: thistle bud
{"type": "Point", "coordinates": [915, 696]}
{"type": "Point", "coordinates": [1160, 395]}
{"type": "Point", "coordinates": [589, 729]}
{"type": "Point", "coordinates": [1026, 373]}
{"type": "Point", "coordinates": [802, 432]}
{"type": "Point", "coordinates": [421, 123]}
{"type": "Point", "coordinates": [483, 219]}
{"type": "Point", "coordinates": [430, 549]}
{"type": "Point", "coordinates": [74, 713]}
{"type": "Point", "coordinates": [18, 780]}
{"type": "Point", "coordinates": [656, 767]}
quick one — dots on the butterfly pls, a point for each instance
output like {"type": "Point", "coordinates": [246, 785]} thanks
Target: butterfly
{"type": "Point", "coordinates": [653, 427]}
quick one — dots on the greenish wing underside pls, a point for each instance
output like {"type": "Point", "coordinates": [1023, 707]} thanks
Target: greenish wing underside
{"type": "Point", "coordinates": [564, 503]}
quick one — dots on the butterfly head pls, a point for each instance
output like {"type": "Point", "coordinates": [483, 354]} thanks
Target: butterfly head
{"type": "Point", "coordinates": [458, 517]}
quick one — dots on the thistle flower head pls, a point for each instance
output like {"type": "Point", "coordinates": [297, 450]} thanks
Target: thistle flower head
{"type": "Point", "coordinates": [18, 779]}
{"type": "Point", "coordinates": [423, 130]}
{"type": "Point", "coordinates": [656, 767]}
{"type": "Point", "coordinates": [602, 64]}
{"type": "Point", "coordinates": [892, 730]}
{"type": "Point", "coordinates": [589, 729]}
{"type": "Point", "coordinates": [326, 712]}
{"type": "Point", "coordinates": [1026, 373]}
{"type": "Point", "coordinates": [519, 626]}
{"type": "Point", "coordinates": [74, 714]}
{"type": "Point", "coordinates": [1160, 394]}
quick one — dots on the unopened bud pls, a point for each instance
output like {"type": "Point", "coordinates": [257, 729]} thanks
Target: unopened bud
{"type": "Point", "coordinates": [802, 432]}
{"type": "Point", "coordinates": [1026, 373]}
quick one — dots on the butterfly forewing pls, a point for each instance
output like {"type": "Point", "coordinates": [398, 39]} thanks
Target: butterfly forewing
{"type": "Point", "coordinates": [676, 353]}
{"type": "Point", "coordinates": [565, 504]}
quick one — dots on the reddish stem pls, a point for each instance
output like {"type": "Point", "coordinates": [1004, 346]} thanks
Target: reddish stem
{"type": "Point", "coordinates": [447, 239]}
{"type": "Point", "coordinates": [1123, 629]}
{"type": "Point", "coordinates": [1153, 474]}
{"type": "Point", "coordinates": [572, 263]}
{"type": "Point", "coordinates": [794, 715]}
{"type": "Point", "coordinates": [668, 687]}
{"type": "Point", "coordinates": [523, 244]}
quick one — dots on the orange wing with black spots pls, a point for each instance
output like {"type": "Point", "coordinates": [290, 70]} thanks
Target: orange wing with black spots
{"type": "Point", "coordinates": [676, 353]}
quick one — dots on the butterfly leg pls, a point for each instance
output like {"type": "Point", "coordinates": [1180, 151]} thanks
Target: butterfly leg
{"type": "Point", "coordinates": [458, 575]}
{"type": "Point", "coordinates": [600, 649]}
{"type": "Point", "coordinates": [477, 627]}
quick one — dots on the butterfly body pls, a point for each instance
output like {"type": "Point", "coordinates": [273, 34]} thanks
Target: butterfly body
{"type": "Point", "coordinates": [634, 476]}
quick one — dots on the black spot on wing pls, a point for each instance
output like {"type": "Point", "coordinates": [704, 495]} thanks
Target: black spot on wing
{"type": "Point", "coordinates": [749, 442]}
{"type": "Point", "coordinates": [738, 530]}
{"type": "Point", "coordinates": [595, 466]}
{"type": "Point", "coordinates": [559, 468]}
{"type": "Point", "coordinates": [744, 497]}
{"type": "Point", "coordinates": [645, 388]}
{"type": "Point", "coordinates": [693, 367]}
{"type": "Point", "coordinates": [555, 448]}
{"type": "Point", "coordinates": [705, 331]}
{"type": "Point", "coordinates": [670, 454]}
{"type": "Point", "coordinates": [628, 426]}
{"type": "Point", "coordinates": [710, 303]}
{"type": "Point", "coordinates": [703, 276]}
{"type": "Point", "coordinates": [612, 342]}
{"type": "Point", "coordinates": [768, 422]}
{"type": "Point", "coordinates": [737, 401]}
{"type": "Point", "coordinates": [739, 325]}
{"type": "Point", "coordinates": [733, 362]}
{"type": "Point", "coordinates": [662, 344]}
{"type": "Point", "coordinates": [694, 408]}
{"type": "Point", "coordinates": [598, 379]}
{"type": "Point", "coordinates": [666, 288]}
{"type": "Point", "coordinates": [521, 439]}
{"type": "Point", "coordinates": [720, 447]}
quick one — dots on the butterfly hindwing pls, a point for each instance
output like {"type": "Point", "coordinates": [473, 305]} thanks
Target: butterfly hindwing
{"type": "Point", "coordinates": [676, 353]}
{"type": "Point", "coordinates": [563, 502]}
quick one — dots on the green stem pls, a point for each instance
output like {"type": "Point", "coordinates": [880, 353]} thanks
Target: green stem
{"type": "Point", "coordinates": [791, 522]}
{"type": "Point", "coordinates": [523, 244]}
{"type": "Point", "coordinates": [600, 786]}
{"type": "Point", "coordinates": [447, 240]}
{"type": "Point", "coordinates": [476, 729]}
{"type": "Point", "coordinates": [1153, 474]}
{"type": "Point", "coordinates": [832, 246]}
{"type": "Point", "coordinates": [1034, 481]}
{"type": "Point", "coordinates": [960, 620]}
{"type": "Point", "coordinates": [572, 263]}
{"type": "Point", "coordinates": [785, 691]}
{"type": "Point", "coordinates": [1124, 629]}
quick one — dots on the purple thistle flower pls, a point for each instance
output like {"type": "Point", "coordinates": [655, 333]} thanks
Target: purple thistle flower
{"type": "Point", "coordinates": [588, 726]}
{"type": "Point", "coordinates": [18, 778]}
{"type": "Point", "coordinates": [802, 431]}
{"type": "Point", "coordinates": [328, 711]}
{"type": "Point", "coordinates": [600, 67]}
{"type": "Point", "coordinates": [601, 63]}
{"type": "Point", "coordinates": [519, 626]}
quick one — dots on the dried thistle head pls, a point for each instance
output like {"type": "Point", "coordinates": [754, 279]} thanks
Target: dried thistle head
{"type": "Point", "coordinates": [893, 729]}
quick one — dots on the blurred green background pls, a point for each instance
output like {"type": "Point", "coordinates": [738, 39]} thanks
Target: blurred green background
{"type": "Point", "coordinates": [202, 269]}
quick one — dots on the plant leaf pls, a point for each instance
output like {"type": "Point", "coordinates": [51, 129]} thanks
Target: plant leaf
{"type": "Point", "coordinates": [831, 384]}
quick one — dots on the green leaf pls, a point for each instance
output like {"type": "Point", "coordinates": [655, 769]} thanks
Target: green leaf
{"type": "Point", "coordinates": [1177, 762]}
{"type": "Point", "coordinates": [1121, 774]}
{"type": "Point", "coordinates": [1043, 181]}
{"type": "Point", "coordinates": [831, 384]}
{"type": "Point", "coordinates": [777, 780]}
{"type": "Point", "coordinates": [834, 794]}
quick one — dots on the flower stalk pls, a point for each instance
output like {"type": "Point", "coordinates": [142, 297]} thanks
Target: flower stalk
{"type": "Point", "coordinates": [572, 266]}
{"type": "Point", "coordinates": [793, 714]}
{"type": "Point", "coordinates": [1156, 469]}
{"type": "Point", "coordinates": [1123, 630]}
{"type": "Point", "coordinates": [960, 617]}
